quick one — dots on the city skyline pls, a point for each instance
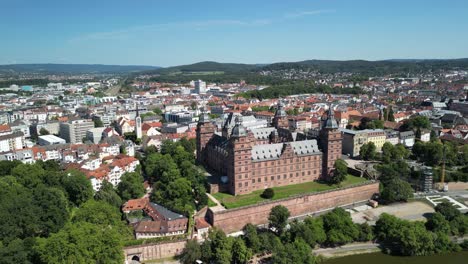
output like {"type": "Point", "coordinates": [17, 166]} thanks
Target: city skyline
{"type": "Point", "coordinates": [181, 32]}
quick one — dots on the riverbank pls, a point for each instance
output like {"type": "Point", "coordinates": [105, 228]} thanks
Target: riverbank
{"type": "Point", "coordinates": [347, 250]}
{"type": "Point", "coordinates": [380, 258]}
{"type": "Point", "coordinates": [359, 248]}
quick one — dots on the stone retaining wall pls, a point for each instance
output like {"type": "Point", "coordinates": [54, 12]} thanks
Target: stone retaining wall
{"type": "Point", "coordinates": [233, 220]}
{"type": "Point", "coordinates": [154, 251]}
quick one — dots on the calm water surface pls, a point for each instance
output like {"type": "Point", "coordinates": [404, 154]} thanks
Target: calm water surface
{"type": "Point", "coordinates": [380, 258]}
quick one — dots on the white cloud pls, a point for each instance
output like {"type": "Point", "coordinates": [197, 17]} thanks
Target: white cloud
{"type": "Point", "coordinates": [308, 13]}
{"type": "Point", "coordinates": [196, 25]}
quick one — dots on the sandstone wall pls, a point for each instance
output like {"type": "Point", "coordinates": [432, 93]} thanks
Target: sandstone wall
{"type": "Point", "coordinates": [154, 251]}
{"type": "Point", "coordinates": [233, 220]}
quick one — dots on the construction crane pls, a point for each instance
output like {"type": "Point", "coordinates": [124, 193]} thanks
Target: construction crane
{"type": "Point", "coordinates": [442, 174]}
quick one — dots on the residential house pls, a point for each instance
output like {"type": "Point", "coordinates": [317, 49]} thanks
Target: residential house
{"type": "Point", "coordinates": [407, 138]}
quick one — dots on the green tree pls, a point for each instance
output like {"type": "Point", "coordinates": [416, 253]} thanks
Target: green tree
{"type": "Point", "coordinates": [447, 210]}
{"type": "Point", "coordinates": [108, 194]}
{"type": "Point", "coordinates": [397, 190]}
{"type": "Point", "coordinates": [340, 172]}
{"type": "Point", "coordinates": [16, 198]}
{"type": "Point", "coordinates": [240, 253]}
{"type": "Point", "coordinates": [368, 151]}
{"type": "Point", "coordinates": [82, 243]}
{"type": "Point", "coordinates": [158, 111]}
{"type": "Point", "coordinates": [278, 218]}
{"type": "Point", "coordinates": [295, 252]}
{"type": "Point", "coordinates": [188, 144]}
{"type": "Point", "coordinates": [365, 232]}
{"type": "Point", "coordinates": [98, 213]}
{"type": "Point", "coordinates": [177, 195]}
{"type": "Point", "coordinates": [17, 251]}
{"type": "Point", "coordinates": [191, 253]}
{"type": "Point", "coordinates": [315, 225]}
{"type": "Point", "coordinates": [98, 122]}
{"type": "Point", "coordinates": [339, 227]}
{"type": "Point", "coordinates": [268, 193]}
{"type": "Point", "coordinates": [251, 238]}
{"type": "Point", "coordinates": [43, 131]}
{"type": "Point", "coordinates": [131, 186]}
{"type": "Point", "coordinates": [391, 115]}
{"type": "Point", "coordinates": [29, 175]}
{"type": "Point", "coordinates": [387, 152]}
{"type": "Point", "coordinates": [78, 188]}
{"type": "Point", "coordinates": [217, 247]}
{"type": "Point", "coordinates": [437, 223]}
{"type": "Point", "coordinates": [7, 166]}
{"type": "Point", "coordinates": [51, 209]}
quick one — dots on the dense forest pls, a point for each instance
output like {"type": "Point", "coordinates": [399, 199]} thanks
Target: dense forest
{"type": "Point", "coordinates": [276, 91]}
{"type": "Point", "coordinates": [53, 216]}
{"type": "Point", "coordinates": [371, 68]}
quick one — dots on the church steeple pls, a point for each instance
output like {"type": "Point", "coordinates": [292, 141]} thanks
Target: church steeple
{"type": "Point", "coordinates": [204, 117]}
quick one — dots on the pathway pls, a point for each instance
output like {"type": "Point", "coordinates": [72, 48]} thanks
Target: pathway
{"type": "Point", "coordinates": [348, 249]}
{"type": "Point", "coordinates": [218, 207]}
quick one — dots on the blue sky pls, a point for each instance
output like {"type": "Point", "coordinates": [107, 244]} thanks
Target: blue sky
{"type": "Point", "coordinates": [174, 32]}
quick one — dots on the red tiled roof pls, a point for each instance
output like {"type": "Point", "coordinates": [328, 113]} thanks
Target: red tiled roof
{"type": "Point", "coordinates": [135, 204]}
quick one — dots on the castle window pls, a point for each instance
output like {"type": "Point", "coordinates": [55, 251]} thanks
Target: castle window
{"type": "Point", "coordinates": [290, 175]}
{"type": "Point", "coordinates": [278, 177]}
{"type": "Point", "coordinates": [253, 180]}
{"type": "Point", "coordinates": [246, 184]}
{"type": "Point", "coordinates": [297, 174]}
{"type": "Point", "coordinates": [266, 179]}
{"type": "Point", "coordinates": [240, 184]}
{"type": "Point", "coordinates": [285, 176]}
{"type": "Point", "coordinates": [272, 178]}
{"type": "Point", "coordinates": [308, 172]}
{"type": "Point", "coordinates": [259, 179]}
{"type": "Point", "coordinates": [303, 173]}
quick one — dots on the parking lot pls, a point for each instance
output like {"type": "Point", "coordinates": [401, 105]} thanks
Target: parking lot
{"type": "Point", "coordinates": [413, 211]}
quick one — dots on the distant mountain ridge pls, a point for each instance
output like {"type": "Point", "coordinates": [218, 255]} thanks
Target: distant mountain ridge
{"type": "Point", "coordinates": [208, 66]}
{"type": "Point", "coordinates": [212, 67]}
{"type": "Point", "coordinates": [56, 68]}
{"type": "Point", "coordinates": [327, 66]}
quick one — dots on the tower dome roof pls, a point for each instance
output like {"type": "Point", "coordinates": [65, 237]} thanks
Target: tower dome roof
{"type": "Point", "coordinates": [238, 130]}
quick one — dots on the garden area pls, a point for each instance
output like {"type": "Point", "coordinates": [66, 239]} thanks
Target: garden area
{"type": "Point", "coordinates": [231, 201]}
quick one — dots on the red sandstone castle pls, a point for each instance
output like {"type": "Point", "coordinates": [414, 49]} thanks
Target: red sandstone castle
{"type": "Point", "coordinates": [259, 158]}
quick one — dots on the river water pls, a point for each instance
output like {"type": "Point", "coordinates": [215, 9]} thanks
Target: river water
{"type": "Point", "coordinates": [380, 258]}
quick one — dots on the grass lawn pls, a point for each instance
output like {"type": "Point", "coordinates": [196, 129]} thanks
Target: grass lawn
{"type": "Point", "coordinates": [231, 201]}
{"type": "Point", "coordinates": [211, 203]}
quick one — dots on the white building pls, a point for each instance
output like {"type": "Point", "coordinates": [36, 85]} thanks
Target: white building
{"type": "Point", "coordinates": [200, 87]}
{"type": "Point", "coordinates": [50, 140]}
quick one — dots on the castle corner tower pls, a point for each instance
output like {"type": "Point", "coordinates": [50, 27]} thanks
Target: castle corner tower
{"type": "Point", "coordinates": [330, 138]}
{"type": "Point", "coordinates": [280, 120]}
{"type": "Point", "coordinates": [238, 165]}
{"type": "Point", "coordinates": [205, 130]}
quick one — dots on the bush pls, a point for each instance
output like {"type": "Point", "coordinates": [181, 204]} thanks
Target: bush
{"type": "Point", "coordinates": [268, 193]}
